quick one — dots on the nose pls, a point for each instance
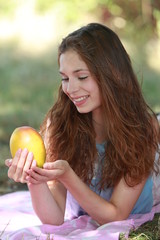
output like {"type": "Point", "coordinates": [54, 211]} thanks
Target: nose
{"type": "Point", "coordinates": [72, 86]}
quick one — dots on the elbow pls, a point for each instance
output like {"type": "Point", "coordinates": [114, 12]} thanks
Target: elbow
{"type": "Point", "coordinates": [51, 218]}
{"type": "Point", "coordinates": [105, 221]}
{"type": "Point", "coordinates": [113, 217]}
{"type": "Point", "coordinates": [56, 222]}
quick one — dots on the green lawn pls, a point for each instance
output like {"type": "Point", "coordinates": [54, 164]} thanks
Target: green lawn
{"type": "Point", "coordinates": [28, 87]}
{"type": "Point", "coordinates": [148, 231]}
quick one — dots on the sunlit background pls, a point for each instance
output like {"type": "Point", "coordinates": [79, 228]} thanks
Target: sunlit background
{"type": "Point", "coordinates": [30, 31]}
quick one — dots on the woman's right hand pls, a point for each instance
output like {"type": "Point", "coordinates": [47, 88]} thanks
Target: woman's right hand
{"type": "Point", "coordinates": [19, 165]}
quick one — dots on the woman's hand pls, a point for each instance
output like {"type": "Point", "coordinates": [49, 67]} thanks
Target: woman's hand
{"type": "Point", "coordinates": [51, 171]}
{"type": "Point", "coordinates": [19, 165]}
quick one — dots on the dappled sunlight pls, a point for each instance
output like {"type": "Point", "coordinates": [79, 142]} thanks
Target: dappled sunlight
{"type": "Point", "coordinates": [153, 54]}
{"type": "Point", "coordinates": [34, 33]}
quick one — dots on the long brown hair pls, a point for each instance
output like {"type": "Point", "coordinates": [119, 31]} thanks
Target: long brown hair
{"type": "Point", "coordinates": [130, 136]}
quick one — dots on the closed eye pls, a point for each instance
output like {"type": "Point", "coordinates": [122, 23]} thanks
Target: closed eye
{"type": "Point", "coordinates": [82, 78]}
{"type": "Point", "coordinates": [65, 79]}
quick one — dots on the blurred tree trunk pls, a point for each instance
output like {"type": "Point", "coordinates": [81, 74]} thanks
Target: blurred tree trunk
{"type": "Point", "coordinates": [147, 13]}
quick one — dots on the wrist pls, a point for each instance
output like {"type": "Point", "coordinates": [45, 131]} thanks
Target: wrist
{"type": "Point", "coordinates": [64, 178]}
{"type": "Point", "coordinates": [35, 186]}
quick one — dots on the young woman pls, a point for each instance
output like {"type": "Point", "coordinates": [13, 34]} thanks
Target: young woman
{"type": "Point", "coordinates": [101, 137]}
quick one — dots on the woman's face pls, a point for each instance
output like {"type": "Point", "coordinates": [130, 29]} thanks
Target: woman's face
{"type": "Point", "coordinates": [78, 83]}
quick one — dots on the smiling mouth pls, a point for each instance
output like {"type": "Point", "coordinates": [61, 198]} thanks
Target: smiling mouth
{"type": "Point", "coordinates": [77, 100]}
{"type": "Point", "coordinates": [80, 100]}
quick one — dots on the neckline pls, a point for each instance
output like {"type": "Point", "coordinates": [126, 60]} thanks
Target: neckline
{"type": "Point", "coordinates": [101, 144]}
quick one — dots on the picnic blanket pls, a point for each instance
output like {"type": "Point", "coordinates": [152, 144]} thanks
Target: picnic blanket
{"type": "Point", "coordinates": [18, 221]}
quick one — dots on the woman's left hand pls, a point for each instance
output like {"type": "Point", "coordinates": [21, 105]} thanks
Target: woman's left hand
{"type": "Point", "coordinates": [51, 171]}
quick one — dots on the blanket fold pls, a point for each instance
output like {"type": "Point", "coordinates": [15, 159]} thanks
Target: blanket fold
{"type": "Point", "coordinates": [19, 222]}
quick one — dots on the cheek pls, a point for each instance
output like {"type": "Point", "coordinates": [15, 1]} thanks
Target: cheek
{"type": "Point", "coordinates": [64, 88]}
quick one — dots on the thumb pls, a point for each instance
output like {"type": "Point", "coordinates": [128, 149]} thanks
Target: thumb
{"type": "Point", "coordinates": [8, 162]}
{"type": "Point", "coordinates": [49, 165]}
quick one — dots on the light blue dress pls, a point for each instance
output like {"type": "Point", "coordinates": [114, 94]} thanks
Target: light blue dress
{"type": "Point", "coordinates": [143, 205]}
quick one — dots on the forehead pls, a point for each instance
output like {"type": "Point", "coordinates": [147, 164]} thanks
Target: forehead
{"type": "Point", "coordinates": [71, 60]}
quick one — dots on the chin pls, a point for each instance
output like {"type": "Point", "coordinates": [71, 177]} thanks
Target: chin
{"type": "Point", "coordinates": [83, 111]}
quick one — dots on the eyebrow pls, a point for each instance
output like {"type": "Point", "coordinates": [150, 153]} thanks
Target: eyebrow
{"type": "Point", "coordinates": [76, 71]}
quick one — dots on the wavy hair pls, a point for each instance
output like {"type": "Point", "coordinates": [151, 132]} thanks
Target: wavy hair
{"type": "Point", "coordinates": [129, 132]}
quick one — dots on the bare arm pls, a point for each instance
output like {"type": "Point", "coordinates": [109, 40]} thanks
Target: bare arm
{"type": "Point", "coordinates": [122, 201]}
{"type": "Point", "coordinates": [48, 197]}
{"type": "Point", "coordinates": [49, 202]}
{"type": "Point", "coordinates": [118, 208]}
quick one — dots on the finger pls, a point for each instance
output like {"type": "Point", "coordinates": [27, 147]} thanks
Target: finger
{"type": "Point", "coordinates": [34, 163]}
{"type": "Point", "coordinates": [58, 164]}
{"type": "Point", "coordinates": [23, 180]}
{"type": "Point", "coordinates": [31, 180]}
{"type": "Point", "coordinates": [27, 166]}
{"type": "Point", "coordinates": [16, 159]}
{"type": "Point", "coordinates": [38, 170]}
{"type": "Point", "coordinates": [29, 170]}
{"type": "Point", "coordinates": [8, 162]}
{"type": "Point", "coordinates": [21, 163]}
{"type": "Point", "coordinates": [36, 175]}
{"type": "Point", "coordinates": [13, 166]}
{"type": "Point", "coordinates": [28, 162]}
{"type": "Point", "coordinates": [50, 165]}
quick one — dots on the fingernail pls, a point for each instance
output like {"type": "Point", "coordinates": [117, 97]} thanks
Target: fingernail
{"type": "Point", "coordinates": [19, 151]}
{"type": "Point", "coordinates": [25, 150]}
{"type": "Point", "coordinates": [10, 161]}
{"type": "Point", "coordinates": [34, 163]}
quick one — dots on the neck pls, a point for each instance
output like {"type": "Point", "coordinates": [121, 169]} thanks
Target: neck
{"type": "Point", "coordinates": [98, 124]}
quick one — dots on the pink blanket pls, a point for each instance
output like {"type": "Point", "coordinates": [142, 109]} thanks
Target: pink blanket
{"type": "Point", "coordinates": [19, 222]}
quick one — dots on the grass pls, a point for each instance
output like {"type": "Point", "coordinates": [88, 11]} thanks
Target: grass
{"type": "Point", "coordinates": [28, 86]}
{"type": "Point", "coordinates": [148, 231]}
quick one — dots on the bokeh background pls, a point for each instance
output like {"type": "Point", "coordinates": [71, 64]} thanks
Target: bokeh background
{"type": "Point", "coordinates": [31, 30]}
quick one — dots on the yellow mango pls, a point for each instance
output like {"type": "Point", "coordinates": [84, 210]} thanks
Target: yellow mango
{"type": "Point", "coordinates": [28, 137]}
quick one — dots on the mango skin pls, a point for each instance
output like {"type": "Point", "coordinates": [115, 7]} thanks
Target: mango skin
{"type": "Point", "coordinates": [28, 137]}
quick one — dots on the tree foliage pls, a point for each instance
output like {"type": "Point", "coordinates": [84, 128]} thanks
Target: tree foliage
{"type": "Point", "coordinates": [135, 15]}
